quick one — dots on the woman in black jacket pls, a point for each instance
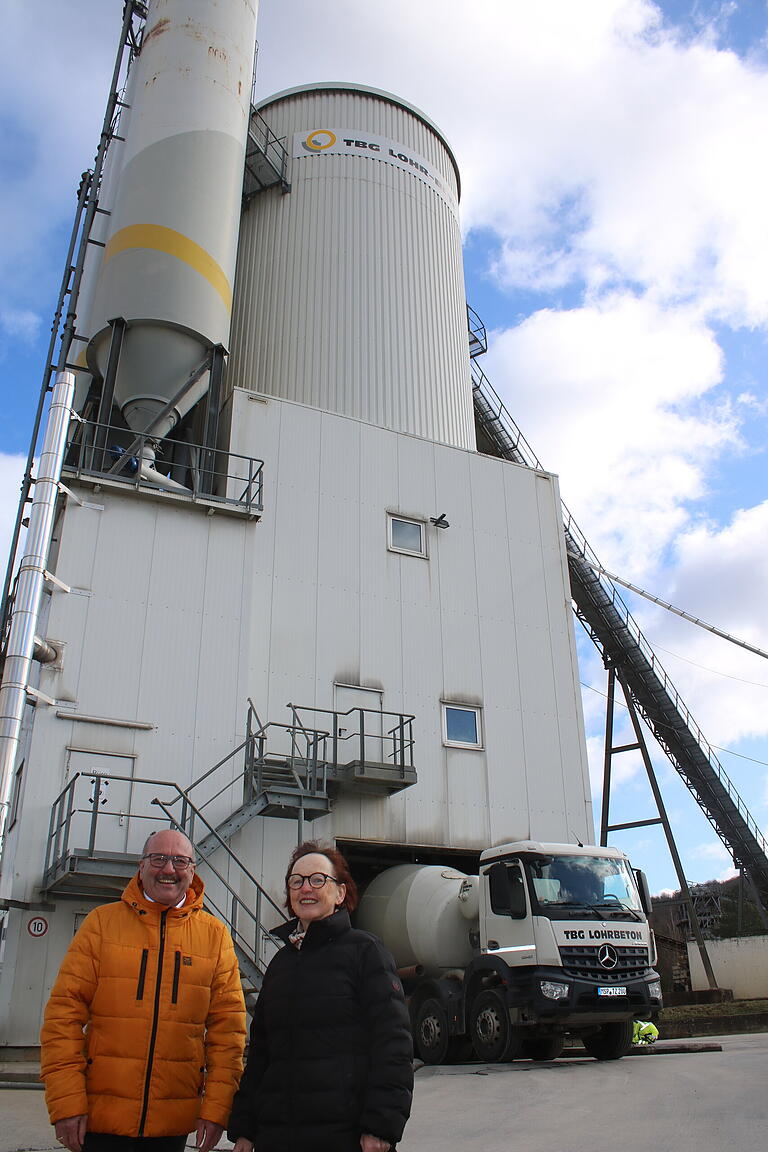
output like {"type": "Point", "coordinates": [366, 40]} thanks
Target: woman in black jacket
{"type": "Point", "coordinates": [329, 1062]}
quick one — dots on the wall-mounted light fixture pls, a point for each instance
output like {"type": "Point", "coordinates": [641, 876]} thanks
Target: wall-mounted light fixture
{"type": "Point", "coordinates": [439, 521]}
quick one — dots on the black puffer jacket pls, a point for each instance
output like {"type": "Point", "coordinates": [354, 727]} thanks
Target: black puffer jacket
{"type": "Point", "coordinates": [330, 1051]}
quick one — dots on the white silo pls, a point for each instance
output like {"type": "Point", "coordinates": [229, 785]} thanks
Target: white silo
{"type": "Point", "coordinates": [168, 264]}
{"type": "Point", "coordinates": [349, 293]}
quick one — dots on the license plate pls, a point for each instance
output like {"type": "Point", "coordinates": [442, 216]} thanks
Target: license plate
{"type": "Point", "coordinates": [612, 991]}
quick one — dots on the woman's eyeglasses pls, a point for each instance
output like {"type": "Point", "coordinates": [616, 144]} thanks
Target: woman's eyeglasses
{"type": "Point", "coordinates": [316, 880]}
{"type": "Point", "coordinates": [160, 859]}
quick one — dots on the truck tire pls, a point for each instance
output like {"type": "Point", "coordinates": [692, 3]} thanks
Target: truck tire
{"type": "Point", "coordinates": [431, 1034]}
{"type": "Point", "coordinates": [611, 1041]}
{"type": "Point", "coordinates": [493, 1037]}
{"type": "Point", "coordinates": [541, 1048]}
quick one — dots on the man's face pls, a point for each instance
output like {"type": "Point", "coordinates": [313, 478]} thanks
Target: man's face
{"type": "Point", "coordinates": [167, 884]}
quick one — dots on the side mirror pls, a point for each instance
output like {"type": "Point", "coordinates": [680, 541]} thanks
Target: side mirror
{"type": "Point", "coordinates": [644, 890]}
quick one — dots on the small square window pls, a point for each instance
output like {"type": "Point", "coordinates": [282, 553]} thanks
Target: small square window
{"type": "Point", "coordinates": [461, 726]}
{"type": "Point", "coordinates": [407, 536]}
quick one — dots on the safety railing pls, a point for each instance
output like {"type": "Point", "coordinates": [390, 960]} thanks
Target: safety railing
{"type": "Point", "coordinates": [228, 902]}
{"type": "Point", "coordinates": [188, 471]}
{"type": "Point", "coordinates": [99, 817]}
{"type": "Point", "coordinates": [361, 735]}
{"type": "Point", "coordinates": [266, 160]}
{"type": "Point", "coordinates": [478, 338]}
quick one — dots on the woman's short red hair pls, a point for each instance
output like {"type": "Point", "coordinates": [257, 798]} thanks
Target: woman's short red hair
{"type": "Point", "coordinates": [339, 864]}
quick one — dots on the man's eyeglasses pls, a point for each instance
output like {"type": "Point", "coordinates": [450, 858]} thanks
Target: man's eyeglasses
{"type": "Point", "coordinates": [316, 880]}
{"type": "Point", "coordinates": [160, 859]}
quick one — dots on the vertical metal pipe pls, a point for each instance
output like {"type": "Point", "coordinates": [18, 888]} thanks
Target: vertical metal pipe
{"type": "Point", "coordinates": [95, 801]}
{"type": "Point", "coordinates": [29, 590]}
{"type": "Point", "coordinates": [604, 815]}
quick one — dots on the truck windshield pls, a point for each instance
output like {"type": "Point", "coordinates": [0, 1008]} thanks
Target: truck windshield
{"type": "Point", "coordinates": [596, 886]}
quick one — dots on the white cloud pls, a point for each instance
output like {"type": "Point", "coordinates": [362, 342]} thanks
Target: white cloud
{"type": "Point", "coordinates": [712, 850]}
{"type": "Point", "coordinates": [20, 324]}
{"type": "Point", "coordinates": [719, 575]}
{"type": "Point", "coordinates": [615, 399]}
{"type": "Point", "coordinates": [43, 151]}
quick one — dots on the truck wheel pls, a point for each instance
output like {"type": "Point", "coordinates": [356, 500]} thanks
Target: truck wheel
{"type": "Point", "coordinates": [493, 1037]}
{"type": "Point", "coordinates": [611, 1041]}
{"type": "Point", "coordinates": [433, 1039]}
{"type": "Point", "coordinates": [543, 1047]}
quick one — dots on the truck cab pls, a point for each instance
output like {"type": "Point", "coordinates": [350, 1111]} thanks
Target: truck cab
{"type": "Point", "coordinates": [564, 940]}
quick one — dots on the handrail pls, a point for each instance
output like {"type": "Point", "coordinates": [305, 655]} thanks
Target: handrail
{"type": "Point", "coordinates": [237, 901]}
{"type": "Point", "coordinates": [478, 337]}
{"type": "Point", "coordinates": [59, 829]}
{"type": "Point", "coordinates": [222, 844]}
{"type": "Point", "coordinates": [88, 453]}
{"type": "Point", "coordinates": [403, 719]}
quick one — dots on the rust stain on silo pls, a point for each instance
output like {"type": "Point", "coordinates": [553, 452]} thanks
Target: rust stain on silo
{"type": "Point", "coordinates": [157, 29]}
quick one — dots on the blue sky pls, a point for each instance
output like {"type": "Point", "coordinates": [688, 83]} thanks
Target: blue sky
{"type": "Point", "coordinates": [616, 245]}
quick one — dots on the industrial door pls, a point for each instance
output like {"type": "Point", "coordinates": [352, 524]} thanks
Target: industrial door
{"type": "Point", "coordinates": [104, 786]}
{"type": "Point", "coordinates": [361, 734]}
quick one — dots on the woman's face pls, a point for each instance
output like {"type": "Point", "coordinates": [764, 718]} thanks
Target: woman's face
{"type": "Point", "coordinates": [315, 903]}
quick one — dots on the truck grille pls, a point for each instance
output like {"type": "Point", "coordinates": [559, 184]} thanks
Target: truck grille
{"type": "Point", "coordinates": [583, 962]}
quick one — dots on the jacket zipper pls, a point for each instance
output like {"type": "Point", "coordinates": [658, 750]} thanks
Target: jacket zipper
{"type": "Point", "coordinates": [142, 974]}
{"type": "Point", "coordinates": [155, 1020]}
{"type": "Point", "coordinates": [176, 971]}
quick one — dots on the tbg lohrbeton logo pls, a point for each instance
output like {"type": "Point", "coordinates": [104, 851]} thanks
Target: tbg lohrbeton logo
{"type": "Point", "coordinates": [319, 140]}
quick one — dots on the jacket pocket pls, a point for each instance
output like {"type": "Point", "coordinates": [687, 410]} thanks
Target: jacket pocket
{"type": "Point", "coordinates": [142, 974]}
{"type": "Point", "coordinates": [176, 973]}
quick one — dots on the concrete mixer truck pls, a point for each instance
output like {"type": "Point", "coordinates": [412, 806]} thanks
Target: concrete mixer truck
{"type": "Point", "coordinates": [548, 940]}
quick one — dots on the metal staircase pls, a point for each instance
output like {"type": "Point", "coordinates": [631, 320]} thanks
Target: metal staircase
{"type": "Point", "coordinates": [610, 625]}
{"type": "Point", "coordinates": [292, 771]}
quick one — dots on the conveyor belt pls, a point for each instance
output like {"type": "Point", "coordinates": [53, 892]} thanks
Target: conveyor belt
{"type": "Point", "coordinates": [607, 619]}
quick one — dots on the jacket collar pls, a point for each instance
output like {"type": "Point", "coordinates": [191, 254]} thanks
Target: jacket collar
{"type": "Point", "coordinates": [133, 896]}
{"type": "Point", "coordinates": [319, 931]}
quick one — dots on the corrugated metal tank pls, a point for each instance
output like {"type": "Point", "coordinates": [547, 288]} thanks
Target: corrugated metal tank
{"type": "Point", "coordinates": [169, 259]}
{"type": "Point", "coordinates": [349, 293]}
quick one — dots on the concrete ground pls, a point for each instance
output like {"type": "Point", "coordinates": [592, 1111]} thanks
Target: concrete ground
{"type": "Point", "coordinates": [695, 1101]}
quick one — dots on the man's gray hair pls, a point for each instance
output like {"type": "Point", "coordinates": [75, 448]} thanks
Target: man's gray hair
{"type": "Point", "coordinates": [146, 849]}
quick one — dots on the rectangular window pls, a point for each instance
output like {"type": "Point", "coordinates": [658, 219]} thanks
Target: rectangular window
{"type": "Point", "coordinates": [461, 726]}
{"type": "Point", "coordinates": [407, 535]}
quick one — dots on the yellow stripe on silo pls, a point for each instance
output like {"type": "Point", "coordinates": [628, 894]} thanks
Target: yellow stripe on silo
{"type": "Point", "coordinates": [173, 243]}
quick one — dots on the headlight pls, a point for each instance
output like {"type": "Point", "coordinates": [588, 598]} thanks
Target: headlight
{"type": "Point", "coordinates": [654, 989]}
{"type": "Point", "coordinates": [553, 990]}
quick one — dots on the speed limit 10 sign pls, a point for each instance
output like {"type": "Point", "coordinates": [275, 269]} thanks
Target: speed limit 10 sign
{"type": "Point", "coordinates": [37, 926]}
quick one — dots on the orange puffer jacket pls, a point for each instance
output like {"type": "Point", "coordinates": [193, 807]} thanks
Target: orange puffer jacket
{"type": "Point", "coordinates": [158, 993]}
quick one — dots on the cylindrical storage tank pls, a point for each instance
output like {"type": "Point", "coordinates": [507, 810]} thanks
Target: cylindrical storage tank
{"type": "Point", "coordinates": [168, 265]}
{"type": "Point", "coordinates": [349, 293]}
{"type": "Point", "coordinates": [417, 911]}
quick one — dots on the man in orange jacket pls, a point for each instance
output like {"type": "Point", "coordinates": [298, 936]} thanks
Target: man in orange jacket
{"type": "Point", "coordinates": [144, 1031]}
